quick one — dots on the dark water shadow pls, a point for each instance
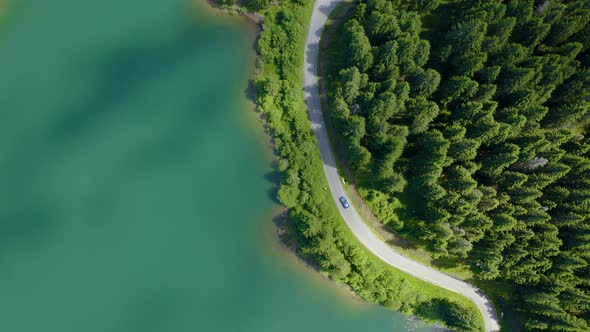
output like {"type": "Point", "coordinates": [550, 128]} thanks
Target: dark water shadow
{"type": "Point", "coordinates": [122, 72]}
{"type": "Point", "coordinates": [153, 310]}
{"type": "Point", "coordinates": [274, 177]}
{"type": "Point", "coordinates": [28, 215]}
{"type": "Point", "coordinates": [24, 221]}
{"type": "Point", "coordinates": [251, 94]}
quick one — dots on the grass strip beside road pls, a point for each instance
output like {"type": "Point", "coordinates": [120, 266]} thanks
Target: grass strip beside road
{"type": "Point", "coordinates": [324, 237]}
{"type": "Point", "coordinates": [500, 293]}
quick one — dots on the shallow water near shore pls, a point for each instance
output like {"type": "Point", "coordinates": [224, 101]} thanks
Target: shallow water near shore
{"type": "Point", "coordinates": [135, 194]}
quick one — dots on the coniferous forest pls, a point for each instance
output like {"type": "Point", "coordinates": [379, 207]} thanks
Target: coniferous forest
{"type": "Point", "coordinates": [465, 124]}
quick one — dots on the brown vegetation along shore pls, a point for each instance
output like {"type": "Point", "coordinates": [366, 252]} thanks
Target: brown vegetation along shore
{"type": "Point", "coordinates": [231, 10]}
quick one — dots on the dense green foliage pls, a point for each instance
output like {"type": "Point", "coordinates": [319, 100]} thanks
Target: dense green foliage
{"type": "Point", "coordinates": [322, 234]}
{"type": "Point", "coordinates": [465, 123]}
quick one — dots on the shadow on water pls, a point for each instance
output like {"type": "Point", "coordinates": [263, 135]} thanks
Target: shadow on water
{"type": "Point", "coordinates": [27, 213]}
{"type": "Point", "coordinates": [124, 72]}
{"type": "Point", "coordinates": [250, 93]}
{"type": "Point", "coordinates": [24, 221]}
{"type": "Point", "coordinates": [274, 177]}
{"type": "Point", "coordinates": [153, 310]}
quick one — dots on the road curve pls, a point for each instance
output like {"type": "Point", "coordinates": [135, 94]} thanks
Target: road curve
{"type": "Point", "coordinates": [322, 9]}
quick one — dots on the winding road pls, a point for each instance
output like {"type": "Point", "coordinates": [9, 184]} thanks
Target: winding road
{"type": "Point", "coordinates": [322, 9]}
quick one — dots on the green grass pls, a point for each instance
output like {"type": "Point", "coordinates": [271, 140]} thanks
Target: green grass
{"type": "Point", "coordinates": [500, 293]}
{"type": "Point", "coordinates": [416, 292]}
{"type": "Point", "coordinates": [330, 41]}
{"type": "Point", "coordinates": [356, 192]}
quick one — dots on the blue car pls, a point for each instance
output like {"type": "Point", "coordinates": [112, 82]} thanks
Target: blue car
{"type": "Point", "coordinates": [344, 202]}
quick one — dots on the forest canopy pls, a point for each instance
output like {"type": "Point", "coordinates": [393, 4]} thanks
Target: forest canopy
{"type": "Point", "coordinates": [466, 125]}
{"type": "Point", "coordinates": [314, 226]}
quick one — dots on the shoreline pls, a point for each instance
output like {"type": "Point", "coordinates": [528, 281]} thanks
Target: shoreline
{"type": "Point", "coordinates": [278, 235]}
{"type": "Point", "coordinates": [284, 252]}
{"type": "Point", "coordinates": [255, 121]}
{"type": "Point", "coordinates": [215, 6]}
{"type": "Point", "coordinates": [282, 227]}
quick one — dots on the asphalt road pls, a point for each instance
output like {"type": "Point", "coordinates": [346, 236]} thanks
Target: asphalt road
{"type": "Point", "coordinates": [311, 88]}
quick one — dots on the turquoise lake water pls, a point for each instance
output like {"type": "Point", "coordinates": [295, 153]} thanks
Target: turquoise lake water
{"type": "Point", "coordinates": [134, 180]}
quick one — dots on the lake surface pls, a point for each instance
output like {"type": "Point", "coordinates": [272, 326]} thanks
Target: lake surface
{"type": "Point", "coordinates": [133, 180]}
